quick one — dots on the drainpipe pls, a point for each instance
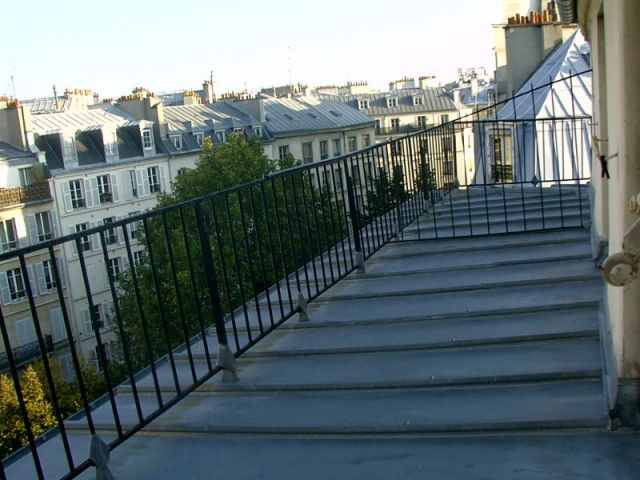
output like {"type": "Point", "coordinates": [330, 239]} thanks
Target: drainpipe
{"type": "Point", "coordinates": [621, 268]}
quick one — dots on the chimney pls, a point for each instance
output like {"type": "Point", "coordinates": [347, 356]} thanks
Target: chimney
{"type": "Point", "coordinates": [189, 97]}
{"type": "Point", "coordinates": [456, 97]}
{"type": "Point", "coordinates": [474, 86]}
{"type": "Point", "coordinates": [207, 92]}
{"type": "Point", "coordinates": [15, 124]}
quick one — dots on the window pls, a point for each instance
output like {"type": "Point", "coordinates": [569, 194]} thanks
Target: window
{"type": "Point", "coordinates": [154, 179]}
{"type": "Point", "coordinates": [363, 104]}
{"type": "Point", "coordinates": [69, 149]}
{"type": "Point", "coordinates": [98, 357]}
{"type": "Point", "coordinates": [138, 257]}
{"type": "Point", "coordinates": [133, 227]}
{"type": "Point", "coordinates": [47, 282]}
{"type": "Point", "coordinates": [130, 183]}
{"type": "Point", "coordinates": [147, 141]}
{"type": "Point", "coordinates": [114, 267]}
{"type": "Point", "coordinates": [97, 317]}
{"type": "Point", "coordinates": [199, 137]}
{"type": "Point", "coordinates": [25, 331]}
{"type": "Point", "coordinates": [16, 284]}
{"type": "Point", "coordinates": [111, 144]}
{"type": "Point", "coordinates": [177, 141]}
{"type": "Point", "coordinates": [395, 124]}
{"type": "Point", "coordinates": [444, 118]}
{"type": "Point", "coordinates": [392, 102]}
{"type": "Point", "coordinates": [418, 100]}
{"type": "Point", "coordinates": [366, 140]}
{"type": "Point", "coordinates": [283, 151]}
{"type": "Point", "coordinates": [337, 174]}
{"type": "Point", "coordinates": [104, 189]}
{"type": "Point", "coordinates": [77, 194]}
{"type": "Point", "coordinates": [26, 176]}
{"type": "Point", "coordinates": [324, 149]}
{"type": "Point", "coordinates": [378, 126]}
{"type": "Point", "coordinates": [58, 330]}
{"type": "Point", "coordinates": [396, 148]}
{"type": "Point", "coordinates": [220, 135]}
{"type": "Point", "coordinates": [85, 242]}
{"type": "Point", "coordinates": [352, 143]}
{"type": "Point", "coordinates": [446, 144]}
{"type": "Point", "coordinates": [110, 234]}
{"type": "Point", "coordinates": [422, 122]}
{"type": "Point", "coordinates": [43, 226]}
{"type": "Point", "coordinates": [257, 131]}
{"type": "Point", "coordinates": [8, 236]}
{"type": "Point", "coordinates": [307, 152]}
{"type": "Point", "coordinates": [337, 147]}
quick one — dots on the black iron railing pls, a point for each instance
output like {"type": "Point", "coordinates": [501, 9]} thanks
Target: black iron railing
{"type": "Point", "coordinates": [232, 265]}
{"type": "Point", "coordinates": [204, 280]}
{"type": "Point", "coordinates": [24, 353]}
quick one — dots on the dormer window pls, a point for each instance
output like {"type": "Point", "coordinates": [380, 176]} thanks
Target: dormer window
{"type": "Point", "coordinates": [199, 136]}
{"type": "Point", "coordinates": [111, 144]}
{"type": "Point", "coordinates": [392, 102]}
{"type": "Point", "coordinates": [147, 141]}
{"type": "Point", "coordinates": [257, 131]}
{"type": "Point", "coordinates": [418, 100]}
{"type": "Point", "coordinates": [69, 152]}
{"type": "Point", "coordinates": [363, 104]}
{"type": "Point", "coordinates": [220, 135]}
{"type": "Point", "coordinates": [177, 141]}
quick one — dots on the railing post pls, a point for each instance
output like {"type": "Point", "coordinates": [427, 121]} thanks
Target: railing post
{"type": "Point", "coordinates": [353, 211]}
{"type": "Point", "coordinates": [225, 359]}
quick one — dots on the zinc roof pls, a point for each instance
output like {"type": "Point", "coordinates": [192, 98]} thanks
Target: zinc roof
{"type": "Point", "coordinates": [93, 118]}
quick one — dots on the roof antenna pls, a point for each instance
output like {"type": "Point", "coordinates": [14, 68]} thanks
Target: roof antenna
{"type": "Point", "coordinates": [55, 96]}
{"type": "Point", "coordinates": [13, 87]}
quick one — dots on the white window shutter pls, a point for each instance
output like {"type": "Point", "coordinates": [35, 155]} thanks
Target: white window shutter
{"type": "Point", "coordinates": [4, 289]}
{"type": "Point", "coordinates": [62, 272]}
{"type": "Point", "coordinates": [96, 243]}
{"type": "Point", "coordinates": [163, 182]}
{"type": "Point", "coordinates": [114, 188]}
{"type": "Point", "coordinates": [32, 280]}
{"type": "Point", "coordinates": [87, 322]}
{"type": "Point", "coordinates": [121, 234]}
{"type": "Point", "coordinates": [66, 193]}
{"type": "Point", "coordinates": [58, 331]}
{"type": "Point", "coordinates": [95, 193]}
{"type": "Point", "coordinates": [32, 228]}
{"type": "Point", "coordinates": [139, 174]}
{"type": "Point", "coordinates": [88, 194]}
{"type": "Point", "coordinates": [53, 221]}
{"type": "Point", "coordinates": [42, 281]}
{"type": "Point", "coordinates": [74, 247]}
{"type": "Point", "coordinates": [145, 182]}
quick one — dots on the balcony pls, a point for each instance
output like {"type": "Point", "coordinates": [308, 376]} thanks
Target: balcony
{"type": "Point", "coordinates": [26, 353]}
{"type": "Point", "coordinates": [35, 192]}
{"type": "Point", "coordinates": [393, 326]}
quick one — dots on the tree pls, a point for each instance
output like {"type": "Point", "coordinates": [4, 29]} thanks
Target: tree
{"type": "Point", "coordinates": [258, 234]}
{"type": "Point", "coordinates": [13, 433]}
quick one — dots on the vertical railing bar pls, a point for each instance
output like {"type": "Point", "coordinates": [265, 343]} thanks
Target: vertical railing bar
{"type": "Point", "coordinates": [163, 319]}
{"type": "Point", "coordinates": [236, 258]}
{"type": "Point", "coordinates": [536, 155]}
{"type": "Point", "coordinates": [21, 403]}
{"type": "Point", "coordinates": [187, 248]}
{"type": "Point", "coordinates": [258, 237]}
{"type": "Point", "coordinates": [486, 163]}
{"type": "Point", "coordinates": [254, 284]}
{"type": "Point", "coordinates": [225, 277]}
{"type": "Point", "coordinates": [281, 244]}
{"type": "Point", "coordinates": [174, 276]}
{"type": "Point", "coordinates": [344, 212]}
{"type": "Point", "coordinates": [314, 211]}
{"type": "Point", "coordinates": [294, 253]}
{"type": "Point", "coordinates": [554, 147]}
{"type": "Point", "coordinates": [573, 122]}
{"type": "Point", "coordinates": [121, 332]}
{"type": "Point", "coordinates": [272, 250]}
{"type": "Point", "coordinates": [72, 347]}
{"type": "Point", "coordinates": [518, 151]}
{"type": "Point", "coordinates": [305, 223]}
{"type": "Point", "coordinates": [96, 329]}
{"type": "Point", "coordinates": [143, 320]}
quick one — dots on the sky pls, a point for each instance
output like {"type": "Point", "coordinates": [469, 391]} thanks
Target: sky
{"type": "Point", "coordinates": [113, 46]}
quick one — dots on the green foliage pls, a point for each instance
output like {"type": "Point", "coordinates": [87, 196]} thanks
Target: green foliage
{"type": "Point", "coordinates": [257, 235]}
{"type": "Point", "coordinates": [13, 433]}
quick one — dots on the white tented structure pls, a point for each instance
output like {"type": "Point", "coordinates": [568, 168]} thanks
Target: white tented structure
{"type": "Point", "coordinates": [543, 134]}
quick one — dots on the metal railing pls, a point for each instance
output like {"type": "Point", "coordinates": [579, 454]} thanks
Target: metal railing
{"type": "Point", "coordinates": [24, 353]}
{"type": "Point", "coordinates": [231, 266]}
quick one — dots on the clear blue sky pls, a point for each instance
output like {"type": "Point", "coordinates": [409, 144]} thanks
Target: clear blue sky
{"type": "Point", "coordinates": [113, 46]}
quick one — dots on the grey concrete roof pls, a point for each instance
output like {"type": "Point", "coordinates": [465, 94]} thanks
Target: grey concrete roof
{"type": "Point", "coordinates": [206, 117]}
{"type": "Point", "coordinates": [434, 100]}
{"type": "Point", "coordinates": [303, 114]}
{"type": "Point", "coordinates": [8, 152]}
{"type": "Point", "coordinates": [93, 118]}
